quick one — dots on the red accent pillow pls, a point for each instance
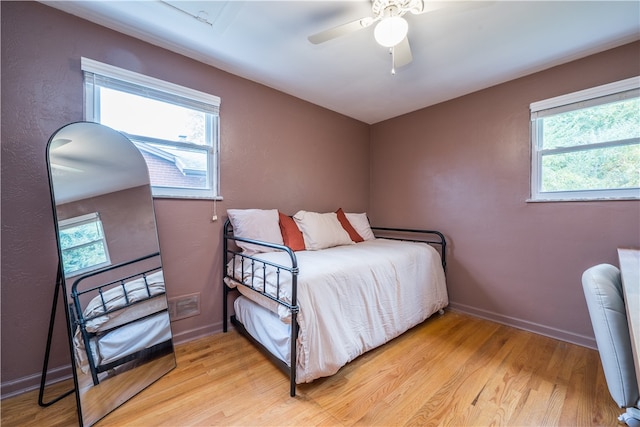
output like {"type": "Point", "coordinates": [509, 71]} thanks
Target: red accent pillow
{"type": "Point", "coordinates": [348, 227]}
{"type": "Point", "coordinates": [291, 234]}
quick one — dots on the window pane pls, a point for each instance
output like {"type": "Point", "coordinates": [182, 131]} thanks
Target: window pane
{"type": "Point", "coordinates": [84, 257]}
{"type": "Point", "coordinates": [608, 122]}
{"type": "Point", "coordinates": [138, 115]}
{"type": "Point", "coordinates": [80, 235]}
{"type": "Point", "coordinates": [82, 243]}
{"type": "Point", "coordinates": [151, 111]}
{"type": "Point", "coordinates": [176, 167]}
{"type": "Point", "coordinates": [595, 169]}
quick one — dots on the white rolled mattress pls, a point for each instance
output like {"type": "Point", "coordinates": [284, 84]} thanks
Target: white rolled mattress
{"type": "Point", "coordinates": [265, 326]}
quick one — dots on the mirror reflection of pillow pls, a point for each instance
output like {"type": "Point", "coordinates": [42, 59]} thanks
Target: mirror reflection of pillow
{"type": "Point", "coordinates": [256, 224]}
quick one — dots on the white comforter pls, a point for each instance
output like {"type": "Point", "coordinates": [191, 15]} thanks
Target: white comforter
{"type": "Point", "coordinates": [353, 298]}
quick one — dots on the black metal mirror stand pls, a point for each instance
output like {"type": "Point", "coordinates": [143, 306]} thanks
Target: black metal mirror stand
{"type": "Point", "coordinates": [43, 380]}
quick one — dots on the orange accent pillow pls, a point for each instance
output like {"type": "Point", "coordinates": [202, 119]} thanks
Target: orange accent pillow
{"type": "Point", "coordinates": [348, 227]}
{"type": "Point", "coordinates": [291, 234]}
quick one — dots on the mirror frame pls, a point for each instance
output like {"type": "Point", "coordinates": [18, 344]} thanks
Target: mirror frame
{"type": "Point", "coordinates": [71, 324]}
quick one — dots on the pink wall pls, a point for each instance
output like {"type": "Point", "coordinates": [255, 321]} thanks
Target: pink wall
{"type": "Point", "coordinates": [277, 152]}
{"type": "Point", "coordinates": [463, 167]}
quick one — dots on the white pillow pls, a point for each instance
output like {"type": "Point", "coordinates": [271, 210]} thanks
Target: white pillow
{"type": "Point", "coordinates": [360, 222]}
{"type": "Point", "coordinates": [257, 224]}
{"type": "Point", "coordinates": [321, 230]}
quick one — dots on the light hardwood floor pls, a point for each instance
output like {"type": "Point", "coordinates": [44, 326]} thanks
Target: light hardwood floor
{"type": "Point", "coordinates": [451, 370]}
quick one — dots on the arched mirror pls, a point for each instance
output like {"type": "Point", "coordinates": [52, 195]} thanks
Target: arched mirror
{"type": "Point", "coordinates": [111, 270]}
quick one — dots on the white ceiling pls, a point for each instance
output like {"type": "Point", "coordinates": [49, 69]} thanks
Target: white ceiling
{"type": "Point", "coordinates": [457, 49]}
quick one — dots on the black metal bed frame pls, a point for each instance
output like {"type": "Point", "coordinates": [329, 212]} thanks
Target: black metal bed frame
{"type": "Point", "coordinates": [78, 319]}
{"type": "Point", "coordinates": [232, 253]}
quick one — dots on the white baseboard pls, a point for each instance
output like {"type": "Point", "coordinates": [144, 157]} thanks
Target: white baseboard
{"type": "Point", "coordinates": [559, 334]}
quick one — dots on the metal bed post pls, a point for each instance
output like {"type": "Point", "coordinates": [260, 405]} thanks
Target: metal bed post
{"type": "Point", "coordinates": [225, 288]}
{"type": "Point", "coordinates": [294, 335]}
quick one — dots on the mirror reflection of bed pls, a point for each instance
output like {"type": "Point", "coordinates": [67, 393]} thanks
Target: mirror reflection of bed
{"type": "Point", "coordinates": [113, 274]}
{"type": "Point", "coordinates": [125, 325]}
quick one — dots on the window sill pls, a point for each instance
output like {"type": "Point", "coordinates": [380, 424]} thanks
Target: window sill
{"type": "Point", "coordinates": [214, 198]}
{"type": "Point", "coordinates": [584, 199]}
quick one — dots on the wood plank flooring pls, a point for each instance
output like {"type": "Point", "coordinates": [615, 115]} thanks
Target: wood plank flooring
{"type": "Point", "coordinates": [452, 370]}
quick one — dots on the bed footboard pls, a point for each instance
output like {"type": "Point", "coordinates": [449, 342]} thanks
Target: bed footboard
{"type": "Point", "coordinates": [234, 255]}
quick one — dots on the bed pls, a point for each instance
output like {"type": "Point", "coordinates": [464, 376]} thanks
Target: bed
{"type": "Point", "coordinates": [337, 289]}
{"type": "Point", "coordinates": [121, 323]}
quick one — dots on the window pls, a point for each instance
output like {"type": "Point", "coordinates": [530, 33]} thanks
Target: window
{"type": "Point", "coordinates": [83, 245]}
{"type": "Point", "coordinates": [586, 145]}
{"type": "Point", "coordinates": [175, 128]}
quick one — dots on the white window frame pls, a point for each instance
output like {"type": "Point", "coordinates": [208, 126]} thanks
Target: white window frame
{"type": "Point", "coordinates": [97, 74]}
{"type": "Point", "coordinates": [81, 220]}
{"type": "Point", "coordinates": [624, 89]}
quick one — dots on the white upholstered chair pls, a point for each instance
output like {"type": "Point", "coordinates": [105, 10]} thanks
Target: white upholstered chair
{"type": "Point", "coordinates": [603, 291]}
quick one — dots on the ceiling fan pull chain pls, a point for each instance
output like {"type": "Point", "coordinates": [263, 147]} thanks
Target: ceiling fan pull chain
{"type": "Point", "coordinates": [392, 51]}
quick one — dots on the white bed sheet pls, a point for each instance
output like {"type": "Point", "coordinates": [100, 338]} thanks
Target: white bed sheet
{"type": "Point", "coordinates": [354, 298]}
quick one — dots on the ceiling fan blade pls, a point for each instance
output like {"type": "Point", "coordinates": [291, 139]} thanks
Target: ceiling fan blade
{"type": "Point", "coordinates": [58, 166]}
{"type": "Point", "coordinates": [57, 143]}
{"type": "Point", "coordinates": [402, 53]}
{"type": "Point", "coordinates": [340, 30]}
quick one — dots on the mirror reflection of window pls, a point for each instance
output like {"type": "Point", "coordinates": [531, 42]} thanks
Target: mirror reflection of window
{"type": "Point", "coordinates": [83, 244]}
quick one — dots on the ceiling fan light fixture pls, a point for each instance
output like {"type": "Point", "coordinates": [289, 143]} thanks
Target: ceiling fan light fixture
{"type": "Point", "coordinates": [391, 30]}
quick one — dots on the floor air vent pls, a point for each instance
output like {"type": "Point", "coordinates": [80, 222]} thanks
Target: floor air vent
{"type": "Point", "coordinates": [184, 306]}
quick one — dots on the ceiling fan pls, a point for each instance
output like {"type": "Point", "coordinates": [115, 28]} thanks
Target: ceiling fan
{"type": "Point", "coordinates": [390, 31]}
{"type": "Point", "coordinates": [55, 157]}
